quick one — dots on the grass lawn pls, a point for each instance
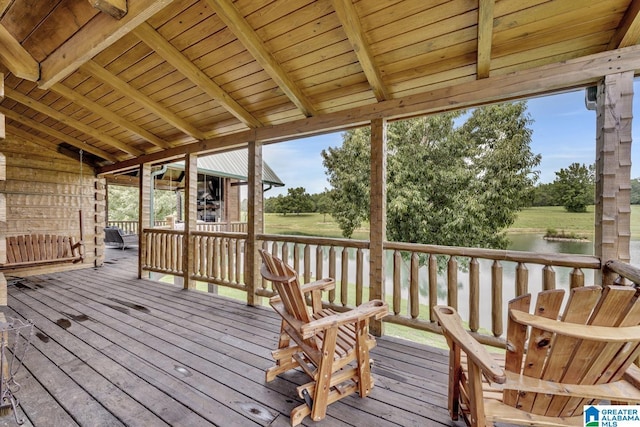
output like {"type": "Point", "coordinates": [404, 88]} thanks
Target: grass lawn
{"type": "Point", "coordinates": [534, 220]}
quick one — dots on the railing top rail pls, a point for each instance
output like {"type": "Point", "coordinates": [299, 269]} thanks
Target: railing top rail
{"type": "Point", "coordinates": [326, 241]}
{"type": "Point", "coordinates": [163, 231]}
{"type": "Point", "coordinates": [232, 234]}
{"type": "Point", "coordinates": [554, 259]}
{"type": "Point", "coordinates": [625, 270]}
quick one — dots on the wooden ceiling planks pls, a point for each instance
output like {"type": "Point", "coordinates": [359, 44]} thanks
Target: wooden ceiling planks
{"type": "Point", "coordinates": [211, 68]}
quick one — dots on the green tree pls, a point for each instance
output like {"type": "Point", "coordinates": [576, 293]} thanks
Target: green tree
{"type": "Point", "coordinates": [635, 191]}
{"type": "Point", "coordinates": [123, 203]}
{"type": "Point", "coordinates": [322, 202]}
{"type": "Point", "coordinates": [575, 187]}
{"type": "Point", "coordinates": [446, 184]}
{"type": "Point", "coordinates": [545, 195]}
{"type": "Point", "coordinates": [296, 201]}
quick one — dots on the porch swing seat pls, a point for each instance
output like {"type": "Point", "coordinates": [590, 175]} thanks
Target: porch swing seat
{"type": "Point", "coordinates": [40, 249]}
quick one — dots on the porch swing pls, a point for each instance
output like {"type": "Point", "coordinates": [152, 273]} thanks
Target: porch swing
{"type": "Point", "coordinates": [31, 250]}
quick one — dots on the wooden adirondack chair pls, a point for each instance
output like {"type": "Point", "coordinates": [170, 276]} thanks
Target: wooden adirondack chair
{"type": "Point", "coordinates": [321, 342]}
{"type": "Point", "coordinates": [554, 364]}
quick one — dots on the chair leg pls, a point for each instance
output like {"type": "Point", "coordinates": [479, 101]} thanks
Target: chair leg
{"type": "Point", "coordinates": [323, 377]}
{"type": "Point", "coordinates": [365, 382]}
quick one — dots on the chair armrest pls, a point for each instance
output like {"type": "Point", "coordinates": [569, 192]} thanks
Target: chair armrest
{"type": "Point", "coordinates": [319, 285]}
{"type": "Point", "coordinates": [266, 274]}
{"type": "Point", "coordinates": [374, 308]}
{"type": "Point", "coordinates": [452, 327]}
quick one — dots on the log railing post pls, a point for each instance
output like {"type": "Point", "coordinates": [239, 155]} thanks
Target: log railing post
{"type": "Point", "coordinates": [613, 168]}
{"type": "Point", "coordinates": [144, 210]}
{"type": "Point", "coordinates": [255, 221]}
{"type": "Point", "coordinates": [190, 219]}
{"type": "Point", "coordinates": [378, 214]}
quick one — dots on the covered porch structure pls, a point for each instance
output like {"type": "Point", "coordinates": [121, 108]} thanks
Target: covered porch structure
{"type": "Point", "coordinates": [92, 89]}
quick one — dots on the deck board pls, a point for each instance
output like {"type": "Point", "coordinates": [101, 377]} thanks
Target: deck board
{"type": "Point", "coordinates": [112, 350]}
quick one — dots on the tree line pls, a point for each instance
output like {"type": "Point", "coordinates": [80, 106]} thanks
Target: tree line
{"type": "Point", "coordinates": [457, 178]}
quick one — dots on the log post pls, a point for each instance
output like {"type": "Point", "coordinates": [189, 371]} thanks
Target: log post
{"type": "Point", "coordinates": [190, 219]}
{"type": "Point", "coordinates": [144, 210]}
{"type": "Point", "coordinates": [378, 215]}
{"type": "Point", "coordinates": [255, 222]}
{"type": "Point", "coordinates": [613, 168]}
{"type": "Point", "coordinates": [3, 207]}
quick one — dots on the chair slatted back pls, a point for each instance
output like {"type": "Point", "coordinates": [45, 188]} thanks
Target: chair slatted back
{"type": "Point", "coordinates": [287, 286]}
{"type": "Point", "coordinates": [563, 359]}
{"type": "Point", "coordinates": [38, 247]}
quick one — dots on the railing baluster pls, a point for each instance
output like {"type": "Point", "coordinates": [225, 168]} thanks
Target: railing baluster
{"type": "Point", "coordinates": [285, 252]}
{"type": "Point", "coordinates": [223, 258]}
{"type": "Point", "coordinates": [474, 295]}
{"type": "Point", "coordinates": [414, 286]}
{"type": "Point", "coordinates": [307, 263]}
{"type": "Point", "coordinates": [397, 278]}
{"type": "Point", "coordinates": [210, 257]}
{"type": "Point", "coordinates": [239, 264]}
{"type": "Point", "coordinates": [344, 280]}
{"type": "Point", "coordinates": [296, 257]}
{"type": "Point", "coordinates": [496, 299]}
{"type": "Point", "coordinates": [319, 262]}
{"type": "Point", "coordinates": [216, 257]}
{"type": "Point", "coordinates": [522, 279]}
{"type": "Point", "coordinates": [332, 272]}
{"type": "Point", "coordinates": [548, 278]}
{"type": "Point", "coordinates": [433, 284]}
{"type": "Point", "coordinates": [577, 278]}
{"type": "Point", "coordinates": [452, 282]}
{"type": "Point", "coordinates": [359, 276]}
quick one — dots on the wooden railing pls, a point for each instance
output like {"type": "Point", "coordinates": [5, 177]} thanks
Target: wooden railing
{"type": "Point", "coordinates": [233, 227]}
{"type": "Point", "coordinates": [477, 282]}
{"type": "Point", "coordinates": [620, 272]}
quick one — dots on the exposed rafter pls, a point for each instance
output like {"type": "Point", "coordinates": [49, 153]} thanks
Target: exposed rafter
{"type": "Point", "coordinates": [59, 135]}
{"type": "Point", "coordinates": [485, 35]}
{"type": "Point", "coordinates": [107, 114]}
{"type": "Point", "coordinates": [628, 32]}
{"type": "Point", "coordinates": [348, 17]}
{"type": "Point", "coordinates": [69, 121]}
{"type": "Point", "coordinates": [16, 58]}
{"type": "Point", "coordinates": [114, 8]}
{"type": "Point", "coordinates": [577, 72]}
{"type": "Point", "coordinates": [126, 89]}
{"type": "Point", "coordinates": [173, 56]}
{"type": "Point", "coordinates": [101, 32]}
{"type": "Point", "coordinates": [230, 15]}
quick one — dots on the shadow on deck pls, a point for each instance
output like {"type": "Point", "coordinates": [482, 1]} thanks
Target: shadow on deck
{"type": "Point", "coordinates": [112, 350]}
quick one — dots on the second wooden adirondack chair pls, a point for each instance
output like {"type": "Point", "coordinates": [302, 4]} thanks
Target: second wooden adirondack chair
{"type": "Point", "coordinates": [332, 348]}
{"type": "Point", "coordinates": [554, 364]}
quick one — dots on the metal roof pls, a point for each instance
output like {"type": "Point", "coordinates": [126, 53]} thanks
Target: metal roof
{"type": "Point", "coordinates": [232, 164]}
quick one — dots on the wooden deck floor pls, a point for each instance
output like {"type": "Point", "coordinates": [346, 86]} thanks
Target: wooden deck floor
{"type": "Point", "coordinates": [112, 350]}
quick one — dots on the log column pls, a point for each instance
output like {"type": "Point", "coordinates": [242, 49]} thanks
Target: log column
{"type": "Point", "coordinates": [190, 219]}
{"type": "Point", "coordinates": [255, 222]}
{"type": "Point", "coordinates": [144, 209]}
{"type": "Point", "coordinates": [3, 206]}
{"type": "Point", "coordinates": [613, 167]}
{"type": "Point", "coordinates": [378, 214]}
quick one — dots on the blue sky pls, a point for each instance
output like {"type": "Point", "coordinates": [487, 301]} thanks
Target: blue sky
{"type": "Point", "coordinates": [564, 132]}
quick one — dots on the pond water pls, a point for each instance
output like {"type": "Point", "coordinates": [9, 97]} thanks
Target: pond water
{"type": "Point", "coordinates": [529, 242]}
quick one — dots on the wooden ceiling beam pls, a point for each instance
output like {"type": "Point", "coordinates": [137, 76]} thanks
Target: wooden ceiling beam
{"type": "Point", "coordinates": [351, 25]}
{"type": "Point", "coordinates": [485, 36]}
{"type": "Point", "coordinates": [230, 15]}
{"type": "Point", "coordinates": [114, 8]}
{"type": "Point", "coordinates": [628, 32]}
{"type": "Point", "coordinates": [16, 58]}
{"type": "Point", "coordinates": [536, 81]}
{"type": "Point", "coordinates": [4, 5]}
{"type": "Point", "coordinates": [59, 135]}
{"type": "Point", "coordinates": [107, 114]}
{"type": "Point", "coordinates": [97, 35]}
{"type": "Point", "coordinates": [173, 56]}
{"type": "Point", "coordinates": [134, 94]}
{"type": "Point", "coordinates": [67, 120]}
